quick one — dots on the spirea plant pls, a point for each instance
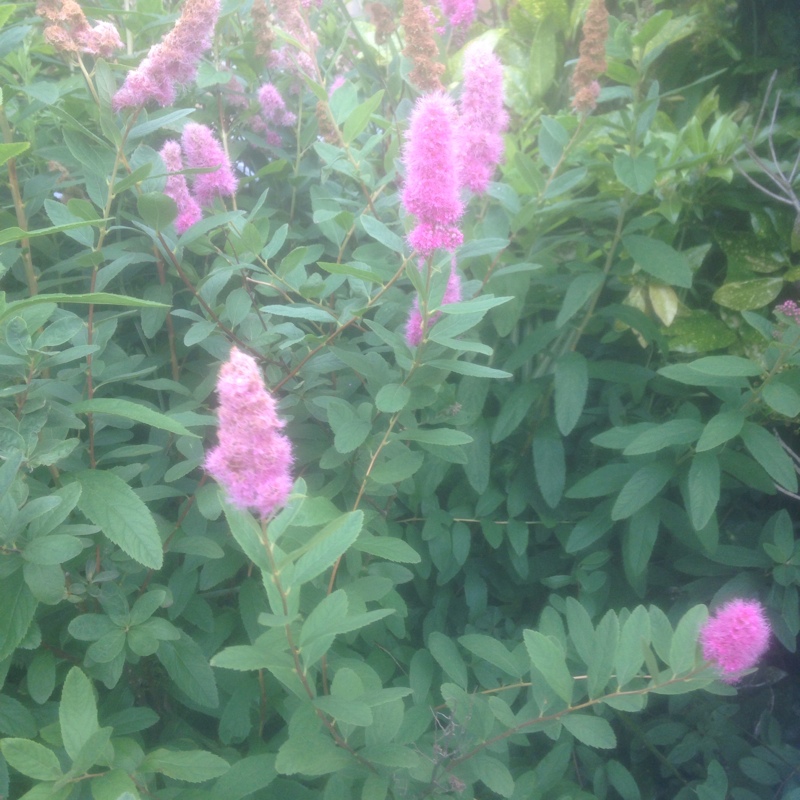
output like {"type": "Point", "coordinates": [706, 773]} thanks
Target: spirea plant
{"type": "Point", "coordinates": [395, 402]}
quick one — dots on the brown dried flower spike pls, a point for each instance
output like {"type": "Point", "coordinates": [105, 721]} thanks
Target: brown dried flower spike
{"type": "Point", "coordinates": [421, 47]}
{"type": "Point", "coordinates": [592, 59]}
{"type": "Point", "coordinates": [69, 30]}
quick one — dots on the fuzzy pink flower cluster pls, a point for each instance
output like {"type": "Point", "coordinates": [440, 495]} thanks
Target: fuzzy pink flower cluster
{"type": "Point", "coordinates": [459, 13]}
{"type": "Point", "coordinates": [198, 148]}
{"type": "Point", "coordinates": [482, 119]}
{"type": "Point", "coordinates": [253, 461]}
{"type": "Point", "coordinates": [188, 208]}
{"type": "Point", "coordinates": [446, 150]}
{"type": "Point", "coordinates": [415, 327]}
{"type": "Point", "coordinates": [274, 114]}
{"type": "Point", "coordinates": [173, 61]}
{"type": "Point", "coordinates": [735, 637]}
{"type": "Point", "coordinates": [431, 190]}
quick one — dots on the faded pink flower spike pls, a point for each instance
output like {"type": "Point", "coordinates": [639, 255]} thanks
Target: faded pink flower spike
{"type": "Point", "coordinates": [735, 637]}
{"type": "Point", "coordinates": [173, 61]}
{"type": "Point", "coordinates": [188, 209]}
{"type": "Point", "coordinates": [483, 118]}
{"type": "Point", "coordinates": [431, 189]}
{"type": "Point", "coordinates": [201, 149]}
{"type": "Point", "coordinates": [253, 460]}
{"type": "Point", "coordinates": [415, 325]}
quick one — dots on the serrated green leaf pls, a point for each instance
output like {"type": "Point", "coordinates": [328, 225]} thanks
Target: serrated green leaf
{"type": "Point", "coordinates": [77, 713]}
{"type": "Point", "coordinates": [444, 650]}
{"type": "Point", "coordinates": [11, 149]}
{"type": "Point", "coordinates": [119, 513]}
{"type": "Point", "coordinates": [591, 731]}
{"type": "Point", "coordinates": [19, 607]}
{"type": "Point", "coordinates": [392, 397]}
{"type": "Point", "coordinates": [641, 488]}
{"type": "Point", "coordinates": [54, 549]}
{"type": "Point", "coordinates": [549, 659]}
{"type": "Point", "coordinates": [327, 546]}
{"type": "Point", "coordinates": [492, 651]}
{"type": "Point", "coordinates": [683, 648]}
{"type": "Point", "coordinates": [720, 429]}
{"type": "Point", "coordinates": [633, 638]}
{"type": "Point", "coordinates": [31, 759]}
{"type": "Point", "coordinates": [188, 666]}
{"type": "Point", "coordinates": [388, 547]}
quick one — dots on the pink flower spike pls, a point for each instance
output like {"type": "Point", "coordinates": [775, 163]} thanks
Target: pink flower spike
{"type": "Point", "coordinates": [202, 149]}
{"type": "Point", "coordinates": [188, 210]}
{"type": "Point", "coordinates": [483, 118]}
{"type": "Point", "coordinates": [173, 61]}
{"type": "Point", "coordinates": [735, 637]}
{"type": "Point", "coordinates": [253, 460]}
{"type": "Point", "coordinates": [431, 189]}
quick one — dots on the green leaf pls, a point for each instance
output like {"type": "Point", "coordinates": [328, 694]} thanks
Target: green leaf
{"type": "Point", "coordinates": [673, 432]}
{"type": "Point", "coordinates": [14, 234]}
{"type": "Point", "coordinates": [327, 546]}
{"type": "Point", "coordinates": [638, 542]}
{"type": "Point", "coordinates": [54, 549]}
{"type": "Point", "coordinates": [580, 289]}
{"type": "Point", "coordinates": [248, 535]}
{"type": "Point", "coordinates": [720, 429]}
{"type": "Point", "coordinates": [548, 658]}
{"type": "Point", "coordinates": [494, 774]}
{"type": "Point", "coordinates": [494, 652]}
{"type": "Point", "coordinates": [641, 488]}
{"type": "Point", "coordinates": [513, 411]}
{"type": "Point", "coordinates": [319, 629]}
{"type": "Point", "coordinates": [247, 776]}
{"type": "Point", "coordinates": [782, 398]}
{"type": "Point", "coordinates": [187, 665]}
{"type": "Point", "coordinates": [359, 118]}
{"type": "Point", "coordinates": [601, 664]}
{"type": "Point", "coordinates": [388, 547]}
{"type": "Point", "coordinates": [19, 606]}
{"type": "Point", "coordinates": [397, 468]}
{"type": "Point", "coordinates": [378, 231]}
{"type": "Point", "coordinates": [156, 209]}
{"type": "Point", "coordinates": [350, 430]}
{"type": "Point", "coordinates": [95, 298]}
{"type": "Point", "coordinates": [636, 173]}
{"type": "Point", "coordinates": [119, 513]}
{"type": "Point", "coordinates": [449, 659]}
{"type": "Point", "coordinates": [31, 759]}
{"type": "Point", "coordinates": [77, 713]}
{"type": "Point", "coordinates": [571, 385]}
{"type": "Point", "coordinates": [703, 488]}
{"type": "Point", "coordinates": [633, 638]}
{"type": "Point", "coordinates": [549, 463]}
{"type": "Point", "coordinates": [194, 766]}
{"type": "Point", "coordinates": [591, 731]}
{"type": "Point", "coordinates": [683, 648]}
{"type": "Point", "coordinates": [41, 676]}
{"type": "Point", "coordinates": [15, 719]}
{"type": "Point", "coordinates": [348, 711]}
{"type": "Point", "coordinates": [131, 410]}
{"type": "Point", "coordinates": [392, 397]}
{"type": "Point", "coordinates": [11, 149]}
{"type": "Point", "coordinates": [659, 260]}
{"type": "Point", "coordinates": [445, 437]}
{"type": "Point", "coordinates": [747, 295]}
{"type": "Point", "coordinates": [542, 65]}
{"type": "Point", "coordinates": [468, 368]}
{"type": "Point", "coordinates": [766, 449]}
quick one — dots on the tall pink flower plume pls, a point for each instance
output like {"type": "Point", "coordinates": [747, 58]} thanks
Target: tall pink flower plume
{"type": "Point", "coordinates": [735, 637]}
{"type": "Point", "coordinates": [431, 189]}
{"type": "Point", "coordinates": [459, 13]}
{"type": "Point", "coordinates": [483, 118]}
{"type": "Point", "coordinates": [173, 61]}
{"type": "Point", "coordinates": [253, 460]}
{"type": "Point", "coordinates": [188, 209]}
{"type": "Point", "coordinates": [415, 325]}
{"type": "Point", "coordinates": [201, 149]}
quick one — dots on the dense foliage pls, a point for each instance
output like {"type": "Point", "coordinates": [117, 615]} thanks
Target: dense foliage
{"type": "Point", "coordinates": [502, 541]}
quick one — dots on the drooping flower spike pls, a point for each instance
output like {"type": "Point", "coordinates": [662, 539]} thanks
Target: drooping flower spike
{"type": "Point", "coordinates": [173, 61]}
{"type": "Point", "coordinates": [735, 637]}
{"type": "Point", "coordinates": [189, 211]}
{"type": "Point", "coordinates": [201, 149]}
{"type": "Point", "coordinates": [253, 460]}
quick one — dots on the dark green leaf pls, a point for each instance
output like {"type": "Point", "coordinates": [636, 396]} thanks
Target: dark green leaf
{"type": "Point", "coordinates": [659, 259]}
{"type": "Point", "coordinates": [592, 731]}
{"type": "Point", "coordinates": [571, 385]}
{"type": "Point", "coordinates": [187, 665]}
{"type": "Point", "coordinates": [194, 766]}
